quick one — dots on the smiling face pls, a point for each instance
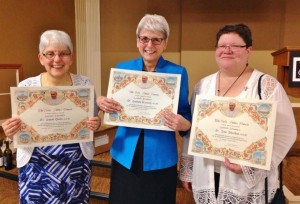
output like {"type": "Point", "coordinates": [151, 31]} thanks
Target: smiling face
{"type": "Point", "coordinates": [59, 66]}
{"type": "Point", "coordinates": [150, 52]}
{"type": "Point", "coordinates": [228, 58]}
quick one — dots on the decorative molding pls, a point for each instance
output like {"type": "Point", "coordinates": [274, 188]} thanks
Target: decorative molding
{"type": "Point", "coordinates": [87, 22]}
{"type": "Point", "coordinates": [290, 197]}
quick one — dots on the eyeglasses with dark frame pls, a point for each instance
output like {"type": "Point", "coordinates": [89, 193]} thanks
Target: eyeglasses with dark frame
{"type": "Point", "coordinates": [231, 47]}
{"type": "Point", "coordinates": [51, 55]}
{"type": "Point", "coordinates": [155, 41]}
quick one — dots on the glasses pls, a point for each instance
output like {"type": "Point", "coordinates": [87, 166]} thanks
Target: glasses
{"type": "Point", "coordinates": [51, 55]}
{"type": "Point", "coordinates": [155, 41]}
{"type": "Point", "coordinates": [231, 47]}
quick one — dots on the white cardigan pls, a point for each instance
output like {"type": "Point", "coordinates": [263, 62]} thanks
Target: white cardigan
{"type": "Point", "coordinates": [87, 148]}
{"type": "Point", "coordinates": [247, 187]}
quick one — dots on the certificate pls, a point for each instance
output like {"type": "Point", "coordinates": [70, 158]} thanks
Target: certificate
{"type": "Point", "coordinates": [239, 129]}
{"type": "Point", "coordinates": [52, 115]}
{"type": "Point", "coordinates": [143, 97]}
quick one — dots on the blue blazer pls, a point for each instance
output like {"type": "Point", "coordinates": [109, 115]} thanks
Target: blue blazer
{"type": "Point", "coordinates": [160, 148]}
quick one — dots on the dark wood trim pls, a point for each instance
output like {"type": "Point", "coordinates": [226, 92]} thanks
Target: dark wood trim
{"type": "Point", "coordinates": [8, 175]}
{"type": "Point", "coordinates": [19, 67]}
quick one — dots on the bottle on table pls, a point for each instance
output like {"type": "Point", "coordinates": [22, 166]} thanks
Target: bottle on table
{"type": "Point", "coordinates": [1, 154]}
{"type": "Point", "coordinates": [7, 157]}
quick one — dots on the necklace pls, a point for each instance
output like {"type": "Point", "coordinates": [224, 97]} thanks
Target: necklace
{"type": "Point", "coordinates": [231, 84]}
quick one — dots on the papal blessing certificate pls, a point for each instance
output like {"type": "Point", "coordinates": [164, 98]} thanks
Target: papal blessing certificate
{"type": "Point", "coordinates": [52, 115]}
{"type": "Point", "coordinates": [239, 129]}
{"type": "Point", "coordinates": [143, 97]}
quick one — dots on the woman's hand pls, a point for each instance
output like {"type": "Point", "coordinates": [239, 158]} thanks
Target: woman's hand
{"type": "Point", "coordinates": [108, 105]}
{"type": "Point", "coordinates": [175, 121]}
{"type": "Point", "coordinates": [235, 168]}
{"type": "Point", "coordinates": [11, 126]}
{"type": "Point", "coordinates": [187, 186]}
{"type": "Point", "coordinates": [93, 123]}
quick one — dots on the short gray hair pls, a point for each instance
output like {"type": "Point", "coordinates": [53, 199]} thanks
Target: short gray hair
{"type": "Point", "coordinates": [55, 37]}
{"type": "Point", "coordinates": [155, 23]}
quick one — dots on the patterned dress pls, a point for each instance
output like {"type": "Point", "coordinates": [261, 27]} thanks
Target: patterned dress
{"type": "Point", "coordinates": [55, 174]}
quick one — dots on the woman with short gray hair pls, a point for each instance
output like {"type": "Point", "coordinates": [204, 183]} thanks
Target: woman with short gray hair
{"type": "Point", "coordinates": [59, 173]}
{"type": "Point", "coordinates": [144, 161]}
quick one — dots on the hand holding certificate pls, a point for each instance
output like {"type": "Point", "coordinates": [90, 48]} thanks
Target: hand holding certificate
{"type": "Point", "coordinates": [241, 130]}
{"type": "Point", "coordinates": [143, 97]}
{"type": "Point", "coordinates": [52, 115]}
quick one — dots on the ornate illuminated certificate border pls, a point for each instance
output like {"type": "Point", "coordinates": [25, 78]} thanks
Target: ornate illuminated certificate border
{"type": "Point", "coordinates": [52, 115]}
{"type": "Point", "coordinates": [240, 129]}
{"type": "Point", "coordinates": [143, 96]}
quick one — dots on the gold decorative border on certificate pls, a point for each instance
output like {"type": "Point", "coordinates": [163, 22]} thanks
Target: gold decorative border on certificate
{"type": "Point", "coordinates": [166, 84]}
{"type": "Point", "coordinates": [120, 79]}
{"type": "Point", "coordinates": [256, 153]}
{"type": "Point", "coordinates": [27, 97]}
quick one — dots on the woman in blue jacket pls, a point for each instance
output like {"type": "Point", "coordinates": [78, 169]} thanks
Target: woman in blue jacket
{"type": "Point", "coordinates": [144, 161]}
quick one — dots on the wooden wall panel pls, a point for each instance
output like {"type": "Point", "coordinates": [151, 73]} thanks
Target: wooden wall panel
{"type": "Point", "coordinates": [291, 24]}
{"type": "Point", "coordinates": [119, 20]}
{"type": "Point", "coordinates": [202, 19]}
{"type": "Point", "coordinates": [23, 22]}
